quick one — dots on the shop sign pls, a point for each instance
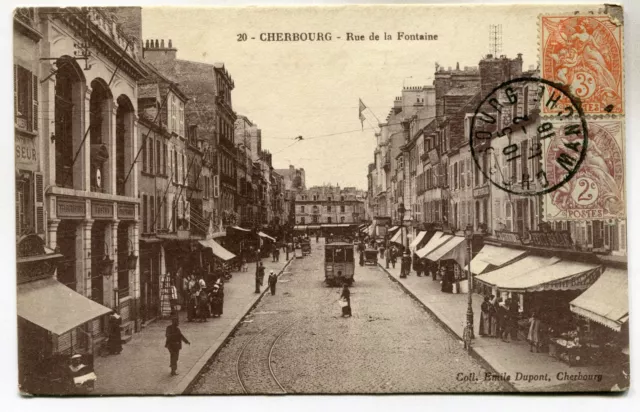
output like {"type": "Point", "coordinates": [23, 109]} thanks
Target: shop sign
{"type": "Point", "coordinates": [71, 208]}
{"type": "Point", "coordinates": [557, 239]}
{"type": "Point", "coordinates": [26, 154]}
{"type": "Point", "coordinates": [581, 282]}
{"type": "Point", "coordinates": [481, 191]}
{"type": "Point", "coordinates": [101, 210]}
{"type": "Point", "coordinates": [126, 211]}
{"type": "Point", "coordinates": [509, 237]}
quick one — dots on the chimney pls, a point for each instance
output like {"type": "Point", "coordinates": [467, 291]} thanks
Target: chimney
{"type": "Point", "coordinates": [157, 44]}
{"type": "Point", "coordinates": [457, 65]}
{"type": "Point", "coordinates": [162, 44]}
{"type": "Point", "coordinates": [170, 44]}
{"type": "Point", "coordinates": [158, 53]}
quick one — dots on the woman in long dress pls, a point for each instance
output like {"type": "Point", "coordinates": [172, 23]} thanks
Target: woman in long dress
{"type": "Point", "coordinates": [534, 333]}
{"type": "Point", "coordinates": [346, 296]}
{"type": "Point", "coordinates": [493, 317]}
{"type": "Point", "coordinates": [485, 328]}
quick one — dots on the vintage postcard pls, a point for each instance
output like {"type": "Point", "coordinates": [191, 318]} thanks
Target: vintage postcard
{"type": "Point", "coordinates": [320, 200]}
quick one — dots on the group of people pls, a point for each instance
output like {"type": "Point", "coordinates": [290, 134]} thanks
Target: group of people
{"type": "Point", "coordinates": [275, 252]}
{"type": "Point", "coordinates": [499, 319]}
{"type": "Point", "coordinates": [272, 280]}
{"type": "Point", "coordinates": [202, 302]}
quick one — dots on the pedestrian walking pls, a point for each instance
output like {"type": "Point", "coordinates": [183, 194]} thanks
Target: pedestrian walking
{"type": "Point", "coordinates": [245, 265]}
{"type": "Point", "coordinates": [393, 256]}
{"type": "Point", "coordinates": [534, 333]}
{"type": "Point", "coordinates": [259, 276]}
{"type": "Point", "coordinates": [419, 265]}
{"type": "Point", "coordinates": [174, 344]}
{"type": "Point", "coordinates": [514, 314]}
{"type": "Point", "coordinates": [115, 334]}
{"type": "Point", "coordinates": [173, 301]}
{"type": "Point", "coordinates": [277, 252]}
{"type": "Point", "coordinates": [485, 323]}
{"type": "Point", "coordinates": [216, 301]}
{"type": "Point", "coordinates": [507, 327]}
{"type": "Point", "coordinates": [345, 297]}
{"type": "Point", "coordinates": [493, 317]}
{"type": "Point", "coordinates": [405, 265]}
{"type": "Point", "coordinates": [273, 279]}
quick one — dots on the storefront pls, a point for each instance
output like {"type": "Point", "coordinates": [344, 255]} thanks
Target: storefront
{"type": "Point", "coordinates": [604, 310]}
{"type": "Point", "coordinates": [545, 285]}
{"type": "Point", "coordinates": [450, 254]}
{"type": "Point", "coordinates": [490, 258]}
{"type": "Point", "coordinates": [52, 318]}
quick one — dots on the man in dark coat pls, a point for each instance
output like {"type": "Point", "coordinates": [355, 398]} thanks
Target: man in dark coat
{"type": "Point", "coordinates": [405, 265]}
{"type": "Point", "coordinates": [174, 344]}
{"type": "Point", "coordinates": [115, 334]}
{"type": "Point", "coordinates": [273, 279]}
{"type": "Point", "coordinates": [259, 276]}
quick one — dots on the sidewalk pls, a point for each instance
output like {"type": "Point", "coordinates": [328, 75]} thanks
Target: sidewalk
{"type": "Point", "coordinates": [504, 358]}
{"type": "Point", "coordinates": [143, 365]}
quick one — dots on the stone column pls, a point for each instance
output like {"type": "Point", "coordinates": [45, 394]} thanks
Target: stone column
{"type": "Point", "coordinates": [110, 283]}
{"type": "Point", "coordinates": [52, 235]}
{"type": "Point", "coordinates": [134, 275]}
{"type": "Point", "coordinates": [83, 258]}
{"type": "Point", "coordinates": [109, 131]}
{"type": "Point", "coordinates": [82, 166]}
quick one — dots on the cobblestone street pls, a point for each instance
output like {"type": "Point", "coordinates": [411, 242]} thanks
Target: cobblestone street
{"type": "Point", "coordinates": [296, 342]}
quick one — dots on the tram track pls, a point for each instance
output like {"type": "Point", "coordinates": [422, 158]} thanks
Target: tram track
{"type": "Point", "coordinates": [252, 375]}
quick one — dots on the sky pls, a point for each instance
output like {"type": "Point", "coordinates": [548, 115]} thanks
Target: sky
{"type": "Point", "coordinates": [311, 89]}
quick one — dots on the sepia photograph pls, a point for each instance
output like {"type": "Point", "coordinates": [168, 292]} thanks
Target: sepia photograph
{"type": "Point", "coordinates": [339, 200]}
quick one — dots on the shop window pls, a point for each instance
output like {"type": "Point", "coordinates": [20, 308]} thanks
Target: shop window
{"type": "Point", "coordinates": [328, 219]}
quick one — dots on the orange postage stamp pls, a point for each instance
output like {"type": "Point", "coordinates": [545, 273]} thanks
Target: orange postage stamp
{"type": "Point", "coordinates": [585, 54]}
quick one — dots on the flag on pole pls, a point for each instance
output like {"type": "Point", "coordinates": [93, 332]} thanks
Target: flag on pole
{"type": "Point", "coordinates": [361, 108]}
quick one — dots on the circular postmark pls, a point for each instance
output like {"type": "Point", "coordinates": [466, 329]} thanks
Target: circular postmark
{"type": "Point", "coordinates": [509, 139]}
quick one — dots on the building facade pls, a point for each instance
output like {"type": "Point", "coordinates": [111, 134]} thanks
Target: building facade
{"type": "Point", "coordinates": [330, 205]}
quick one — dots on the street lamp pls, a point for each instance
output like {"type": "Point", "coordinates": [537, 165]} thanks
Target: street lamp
{"type": "Point", "coordinates": [468, 235]}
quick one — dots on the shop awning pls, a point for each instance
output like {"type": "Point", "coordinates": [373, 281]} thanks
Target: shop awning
{"type": "Point", "coordinates": [417, 240]}
{"type": "Point", "coordinates": [436, 240]}
{"type": "Point", "coordinates": [396, 237]}
{"type": "Point", "coordinates": [500, 277]}
{"type": "Point", "coordinates": [606, 301]}
{"type": "Point", "coordinates": [264, 235]}
{"type": "Point", "coordinates": [314, 226]}
{"type": "Point", "coordinates": [393, 228]}
{"type": "Point", "coordinates": [299, 228]}
{"type": "Point", "coordinates": [217, 249]}
{"type": "Point", "coordinates": [344, 225]}
{"type": "Point", "coordinates": [55, 307]}
{"type": "Point", "coordinates": [240, 229]}
{"type": "Point", "coordinates": [455, 248]}
{"type": "Point", "coordinates": [563, 275]}
{"type": "Point", "coordinates": [495, 256]}
{"type": "Point", "coordinates": [372, 229]}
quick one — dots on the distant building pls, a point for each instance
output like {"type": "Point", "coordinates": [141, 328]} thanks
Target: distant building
{"type": "Point", "coordinates": [324, 206]}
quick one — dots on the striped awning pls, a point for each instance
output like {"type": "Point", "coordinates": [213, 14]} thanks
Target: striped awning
{"type": "Point", "coordinates": [606, 301]}
{"type": "Point", "coordinates": [496, 256]}
{"type": "Point", "coordinates": [436, 240]}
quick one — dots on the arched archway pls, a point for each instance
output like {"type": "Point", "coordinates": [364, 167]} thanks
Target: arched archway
{"type": "Point", "coordinates": [124, 150]}
{"type": "Point", "coordinates": [100, 103]}
{"type": "Point", "coordinates": [68, 109]}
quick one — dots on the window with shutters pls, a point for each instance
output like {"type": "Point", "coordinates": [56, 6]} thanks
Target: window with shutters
{"type": "Point", "coordinates": [144, 159]}
{"type": "Point", "coordinates": [159, 157]}
{"type": "Point", "coordinates": [151, 157]}
{"type": "Point", "coordinates": [152, 214]}
{"type": "Point", "coordinates": [181, 119]}
{"type": "Point", "coordinates": [164, 159]}
{"type": "Point", "coordinates": [508, 216]}
{"type": "Point", "coordinates": [25, 99]}
{"type": "Point", "coordinates": [22, 196]}
{"type": "Point", "coordinates": [145, 214]}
